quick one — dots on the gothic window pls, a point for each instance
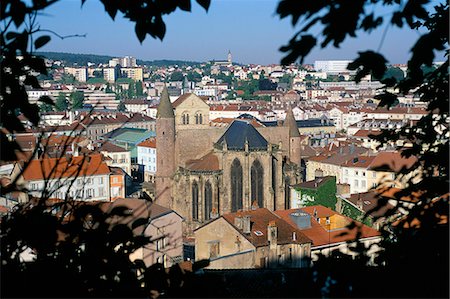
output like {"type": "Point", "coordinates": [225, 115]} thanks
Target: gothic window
{"type": "Point", "coordinates": [201, 119]}
{"type": "Point", "coordinates": [257, 174]}
{"type": "Point", "coordinates": [236, 186]}
{"type": "Point", "coordinates": [194, 200]}
{"type": "Point", "coordinates": [208, 200]}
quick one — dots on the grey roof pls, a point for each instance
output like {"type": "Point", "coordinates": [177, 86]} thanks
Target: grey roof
{"type": "Point", "coordinates": [165, 109]}
{"type": "Point", "coordinates": [238, 133]}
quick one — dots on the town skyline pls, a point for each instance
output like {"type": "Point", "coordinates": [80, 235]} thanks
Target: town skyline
{"type": "Point", "coordinates": [209, 35]}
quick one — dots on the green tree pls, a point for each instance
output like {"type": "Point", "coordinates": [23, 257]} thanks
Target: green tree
{"type": "Point", "coordinates": [176, 76]}
{"type": "Point", "coordinates": [121, 107]}
{"type": "Point", "coordinates": [61, 102]}
{"type": "Point", "coordinates": [394, 72]}
{"type": "Point", "coordinates": [77, 99]}
{"type": "Point", "coordinates": [98, 74]}
{"type": "Point", "coordinates": [419, 240]}
{"type": "Point", "coordinates": [45, 107]}
{"type": "Point", "coordinates": [138, 88]}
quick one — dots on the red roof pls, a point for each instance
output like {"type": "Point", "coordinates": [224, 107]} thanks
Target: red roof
{"type": "Point", "coordinates": [150, 142]}
{"type": "Point", "coordinates": [260, 219]}
{"type": "Point", "coordinates": [65, 167]}
{"type": "Point", "coordinates": [319, 235]}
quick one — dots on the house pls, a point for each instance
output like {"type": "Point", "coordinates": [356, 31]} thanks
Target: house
{"type": "Point", "coordinates": [119, 156]}
{"type": "Point", "coordinates": [146, 156]}
{"type": "Point", "coordinates": [320, 191]}
{"type": "Point", "coordinates": [163, 227]}
{"type": "Point", "coordinates": [325, 228]}
{"type": "Point", "coordinates": [76, 177]}
{"type": "Point", "coordinates": [256, 238]}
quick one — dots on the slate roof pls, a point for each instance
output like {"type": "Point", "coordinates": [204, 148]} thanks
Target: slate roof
{"type": "Point", "coordinates": [238, 133]}
{"type": "Point", "coordinates": [165, 109]}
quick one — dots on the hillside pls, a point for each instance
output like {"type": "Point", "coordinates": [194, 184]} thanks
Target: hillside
{"type": "Point", "coordinates": [71, 59]}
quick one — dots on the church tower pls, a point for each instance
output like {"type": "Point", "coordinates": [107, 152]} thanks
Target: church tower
{"type": "Point", "coordinates": [294, 137]}
{"type": "Point", "coordinates": [165, 150]}
{"type": "Point", "coordinates": [229, 58]}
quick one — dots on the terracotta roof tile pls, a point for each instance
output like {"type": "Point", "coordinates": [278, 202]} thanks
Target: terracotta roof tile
{"type": "Point", "coordinates": [209, 162]}
{"type": "Point", "coordinates": [260, 219]}
{"type": "Point", "coordinates": [150, 142]}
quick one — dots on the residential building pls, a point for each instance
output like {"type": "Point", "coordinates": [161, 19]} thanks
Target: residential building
{"type": "Point", "coordinates": [320, 191]}
{"type": "Point", "coordinates": [329, 232]}
{"type": "Point", "coordinates": [256, 238]}
{"type": "Point", "coordinates": [101, 100]}
{"type": "Point", "coordinates": [80, 73]}
{"type": "Point", "coordinates": [119, 156]}
{"type": "Point", "coordinates": [146, 156]}
{"type": "Point", "coordinates": [110, 74]}
{"type": "Point", "coordinates": [135, 73]}
{"type": "Point", "coordinates": [77, 177]}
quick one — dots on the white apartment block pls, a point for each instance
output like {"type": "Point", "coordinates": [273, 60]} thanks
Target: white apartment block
{"type": "Point", "coordinates": [332, 66]}
{"type": "Point", "coordinates": [110, 74]}
{"type": "Point", "coordinates": [146, 152]}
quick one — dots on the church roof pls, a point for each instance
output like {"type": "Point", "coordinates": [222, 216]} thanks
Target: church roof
{"type": "Point", "coordinates": [165, 109]}
{"type": "Point", "coordinates": [209, 162]}
{"type": "Point", "coordinates": [238, 133]}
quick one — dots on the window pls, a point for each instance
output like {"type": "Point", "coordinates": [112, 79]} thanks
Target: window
{"type": "Point", "coordinates": [208, 200]}
{"type": "Point", "coordinates": [100, 192]}
{"type": "Point", "coordinates": [90, 193]}
{"type": "Point", "coordinates": [214, 249]}
{"type": "Point", "coordinates": [346, 171]}
{"type": "Point", "coordinates": [356, 183]}
{"type": "Point", "coordinates": [194, 200]}
{"type": "Point", "coordinates": [100, 181]}
{"type": "Point", "coordinates": [185, 119]}
{"type": "Point", "coordinates": [363, 183]}
{"type": "Point", "coordinates": [327, 220]}
{"type": "Point", "coordinates": [356, 172]}
{"type": "Point", "coordinates": [236, 185]}
{"type": "Point", "coordinates": [374, 174]}
{"type": "Point", "coordinates": [257, 184]}
{"type": "Point", "coordinates": [364, 173]}
{"type": "Point", "coordinates": [161, 243]}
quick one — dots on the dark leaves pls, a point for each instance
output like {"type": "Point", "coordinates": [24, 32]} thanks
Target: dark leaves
{"type": "Point", "coordinates": [369, 23]}
{"type": "Point", "coordinates": [139, 222]}
{"type": "Point", "coordinates": [368, 62]}
{"type": "Point", "coordinates": [298, 49]}
{"type": "Point", "coordinates": [387, 99]}
{"type": "Point", "coordinates": [47, 100]}
{"type": "Point", "coordinates": [204, 3]}
{"type": "Point", "coordinates": [41, 41]}
{"type": "Point", "coordinates": [120, 211]}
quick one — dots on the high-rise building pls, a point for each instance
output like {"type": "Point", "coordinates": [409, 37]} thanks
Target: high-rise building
{"type": "Point", "coordinates": [80, 73]}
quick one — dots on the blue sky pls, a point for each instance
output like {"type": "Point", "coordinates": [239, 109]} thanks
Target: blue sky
{"type": "Point", "coordinates": [250, 29]}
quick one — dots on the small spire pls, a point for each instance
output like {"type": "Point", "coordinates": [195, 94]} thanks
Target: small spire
{"type": "Point", "coordinates": [165, 109]}
{"type": "Point", "coordinates": [291, 123]}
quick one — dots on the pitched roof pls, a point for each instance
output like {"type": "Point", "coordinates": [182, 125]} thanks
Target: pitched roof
{"type": "Point", "coordinates": [392, 161]}
{"type": "Point", "coordinates": [65, 167]}
{"type": "Point", "coordinates": [111, 147]}
{"type": "Point", "coordinates": [241, 131]}
{"type": "Point", "coordinates": [319, 235]}
{"type": "Point", "coordinates": [259, 221]}
{"type": "Point", "coordinates": [165, 109]}
{"type": "Point", "coordinates": [316, 183]}
{"type": "Point", "coordinates": [150, 142]}
{"type": "Point", "coordinates": [209, 162]}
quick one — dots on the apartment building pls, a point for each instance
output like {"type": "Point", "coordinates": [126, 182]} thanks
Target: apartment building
{"type": "Point", "coordinates": [80, 73]}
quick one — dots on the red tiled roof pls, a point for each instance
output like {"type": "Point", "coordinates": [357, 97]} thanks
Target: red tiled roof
{"type": "Point", "coordinates": [260, 219]}
{"type": "Point", "coordinates": [150, 142]}
{"type": "Point", "coordinates": [319, 235]}
{"type": "Point", "coordinates": [209, 162]}
{"type": "Point", "coordinates": [391, 161]}
{"type": "Point", "coordinates": [65, 167]}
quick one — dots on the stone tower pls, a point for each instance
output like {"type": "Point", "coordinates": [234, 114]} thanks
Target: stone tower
{"type": "Point", "coordinates": [229, 58]}
{"type": "Point", "coordinates": [165, 150]}
{"type": "Point", "coordinates": [294, 137]}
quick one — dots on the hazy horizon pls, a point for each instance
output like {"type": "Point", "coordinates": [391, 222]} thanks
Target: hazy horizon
{"type": "Point", "coordinates": [250, 29]}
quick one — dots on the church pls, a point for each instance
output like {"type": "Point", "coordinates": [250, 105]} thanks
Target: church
{"type": "Point", "coordinates": [204, 172]}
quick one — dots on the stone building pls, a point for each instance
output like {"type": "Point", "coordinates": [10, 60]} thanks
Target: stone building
{"type": "Point", "coordinates": [204, 172]}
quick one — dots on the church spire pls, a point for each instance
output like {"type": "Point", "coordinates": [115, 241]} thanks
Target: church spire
{"type": "Point", "coordinates": [165, 109]}
{"type": "Point", "coordinates": [291, 123]}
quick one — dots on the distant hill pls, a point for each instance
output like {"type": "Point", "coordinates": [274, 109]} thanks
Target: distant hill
{"type": "Point", "coordinates": [82, 59]}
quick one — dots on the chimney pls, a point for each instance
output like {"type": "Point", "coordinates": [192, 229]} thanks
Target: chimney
{"type": "Point", "coordinates": [238, 220]}
{"type": "Point", "coordinates": [246, 224]}
{"type": "Point", "coordinates": [214, 213]}
{"type": "Point", "coordinates": [272, 233]}
{"type": "Point", "coordinates": [294, 236]}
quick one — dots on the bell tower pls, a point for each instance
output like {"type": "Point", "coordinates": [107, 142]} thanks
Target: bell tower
{"type": "Point", "coordinates": [165, 150]}
{"type": "Point", "coordinates": [294, 137]}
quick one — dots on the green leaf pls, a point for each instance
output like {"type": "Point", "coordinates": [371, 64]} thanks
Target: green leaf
{"type": "Point", "coordinates": [41, 41]}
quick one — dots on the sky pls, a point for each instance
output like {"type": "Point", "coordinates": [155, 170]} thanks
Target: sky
{"type": "Point", "coordinates": [250, 29]}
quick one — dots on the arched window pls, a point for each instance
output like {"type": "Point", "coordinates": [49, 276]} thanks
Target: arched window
{"type": "Point", "coordinates": [208, 200]}
{"type": "Point", "coordinates": [236, 186]}
{"type": "Point", "coordinates": [200, 119]}
{"type": "Point", "coordinates": [287, 193]}
{"type": "Point", "coordinates": [183, 119]}
{"type": "Point", "coordinates": [194, 200]}
{"type": "Point", "coordinates": [257, 175]}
